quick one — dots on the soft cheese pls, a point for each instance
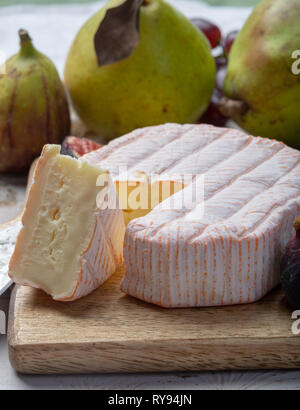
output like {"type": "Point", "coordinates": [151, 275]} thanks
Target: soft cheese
{"type": "Point", "coordinates": [220, 250]}
{"type": "Point", "coordinates": [71, 242]}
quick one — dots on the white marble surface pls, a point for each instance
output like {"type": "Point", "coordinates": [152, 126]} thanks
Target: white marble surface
{"type": "Point", "coordinates": [49, 25]}
{"type": "Point", "coordinates": [12, 192]}
{"type": "Point", "coordinates": [8, 237]}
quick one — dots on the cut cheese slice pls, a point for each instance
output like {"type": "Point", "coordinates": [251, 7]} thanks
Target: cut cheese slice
{"type": "Point", "coordinates": [140, 164]}
{"type": "Point", "coordinates": [71, 242]}
{"type": "Point", "coordinates": [219, 248]}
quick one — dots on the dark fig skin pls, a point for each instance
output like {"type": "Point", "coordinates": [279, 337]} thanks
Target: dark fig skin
{"type": "Point", "coordinates": [290, 269]}
{"type": "Point", "coordinates": [34, 109]}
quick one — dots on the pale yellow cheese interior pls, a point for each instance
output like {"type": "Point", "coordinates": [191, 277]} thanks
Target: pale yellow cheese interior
{"type": "Point", "coordinates": [58, 223]}
{"type": "Point", "coordinates": [138, 198]}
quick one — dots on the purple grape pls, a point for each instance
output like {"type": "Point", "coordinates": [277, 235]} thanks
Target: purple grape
{"type": "Point", "coordinates": [212, 115]}
{"type": "Point", "coordinates": [211, 31]}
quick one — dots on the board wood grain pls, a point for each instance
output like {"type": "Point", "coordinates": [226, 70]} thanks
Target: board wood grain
{"type": "Point", "coordinates": [111, 332]}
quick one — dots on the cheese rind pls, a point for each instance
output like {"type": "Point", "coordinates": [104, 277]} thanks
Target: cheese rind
{"type": "Point", "coordinates": [69, 244]}
{"type": "Point", "coordinates": [224, 249]}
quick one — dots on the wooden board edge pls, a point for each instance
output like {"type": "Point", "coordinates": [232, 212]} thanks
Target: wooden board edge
{"type": "Point", "coordinates": [11, 331]}
{"type": "Point", "coordinates": [139, 357]}
{"type": "Point", "coordinates": [169, 355]}
{"type": "Point", "coordinates": [150, 356]}
{"type": "Point", "coordinates": [11, 335]}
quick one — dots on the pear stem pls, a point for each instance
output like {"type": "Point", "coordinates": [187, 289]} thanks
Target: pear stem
{"type": "Point", "coordinates": [233, 108]}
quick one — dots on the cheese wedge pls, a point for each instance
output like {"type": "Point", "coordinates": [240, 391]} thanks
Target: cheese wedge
{"type": "Point", "coordinates": [221, 247]}
{"type": "Point", "coordinates": [71, 241]}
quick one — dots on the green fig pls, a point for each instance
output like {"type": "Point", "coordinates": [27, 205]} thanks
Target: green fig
{"type": "Point", "coordinates": [262, 92]}
{"type": "Point", "coordinates": [158, 69]}
{"type": "Point", "coordinates": [33, 107]}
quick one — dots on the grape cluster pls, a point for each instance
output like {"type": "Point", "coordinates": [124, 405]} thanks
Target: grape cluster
{"type": "Point", "coordinates": [221, 46]}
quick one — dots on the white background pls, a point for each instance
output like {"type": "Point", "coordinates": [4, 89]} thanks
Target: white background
{"type": "Point", "coordinates": [54, 27]}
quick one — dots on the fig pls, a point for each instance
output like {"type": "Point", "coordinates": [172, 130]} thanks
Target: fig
{"type": "Point", "coordinates": [290, 269]}
{"type": "Point", "coordinates": [33, 107]}
{"type": "Point", "coordinates": [77, 147]}
{"type": "Point", "coordinates": [139, 63]}
{"type": "Point", "coordinates": [262, 92]}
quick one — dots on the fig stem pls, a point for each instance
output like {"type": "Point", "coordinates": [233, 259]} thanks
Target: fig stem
{"type": "Point", "coordinates": [24, 36]}
{"type": "Point", "coordinates": [232, 108]}
{"type": "Point", "coordinates": [27, 49]}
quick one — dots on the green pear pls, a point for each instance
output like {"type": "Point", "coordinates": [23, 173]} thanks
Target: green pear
{"type": "Point", "coordinates": [263, 90]}
{"type": "Point", "coordinates": [169, 77]}
{"type": "Point", "coordinates": [34, 109]}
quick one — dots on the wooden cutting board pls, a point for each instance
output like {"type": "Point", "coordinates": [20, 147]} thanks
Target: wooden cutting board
{"type": "Point", "coordinates": [111, 332]}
